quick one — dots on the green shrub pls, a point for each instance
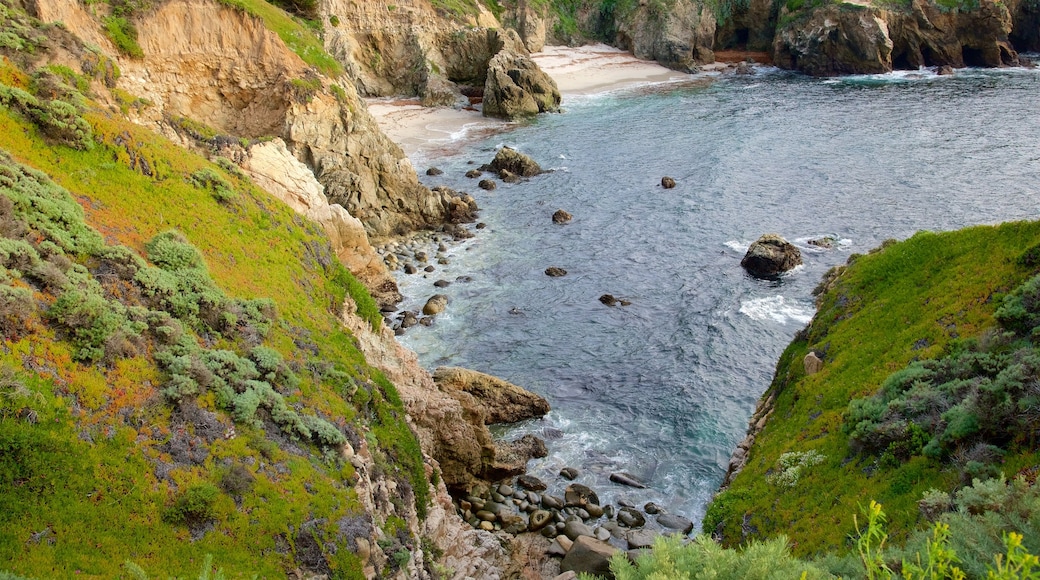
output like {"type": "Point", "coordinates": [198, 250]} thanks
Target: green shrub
{"type": "Point", "coordinates": [674, 559]}
{"type": "Point", "coordinates": [123, 34]}
{"type": "Point", "coordinates": [209, 179]}
{"type": "Point", "coordinates": [194, 506]}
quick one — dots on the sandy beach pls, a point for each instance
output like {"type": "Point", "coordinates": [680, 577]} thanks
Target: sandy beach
{"type": "Point", "coordinates": [578, 71]}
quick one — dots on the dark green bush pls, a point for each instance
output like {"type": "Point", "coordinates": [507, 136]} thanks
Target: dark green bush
{"type": "Point", "coordinates": [194, 506]}
{"type": "Point", "coordinates": [213, 182]}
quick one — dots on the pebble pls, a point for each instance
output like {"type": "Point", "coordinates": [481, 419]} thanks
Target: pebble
{"type": "Point", "coordinates": [487, 526]}
{"type": "Point", "coordinates": [594, 511]}
{"type": "Point", "coordinates": [441, 283]}
{"type": "Point", "coordinates": [505, 490]}
{"type": "Point", "coordinates": [551, 502]}
{"type": "Point", "coordinates": [498, 497]}
{"type": "Point", "coordinates": [602, 534]}
{"type": "Point", "coordinates": [540, 519]}
{"type": "Point", "coordinates": [574, 528]}
{"type": "Point", "coordinates": [486, 516]}
{"type": "Point", "coordinates": [550, 532]}
{"type": "Point", "coordinates": [531, 482]}
{"type": "Point", "coordinates": [652, 508]}
{"type": "Point", "coordinates": [534, 497]}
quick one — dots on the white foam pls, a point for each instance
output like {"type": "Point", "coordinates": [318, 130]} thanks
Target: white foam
{"type": "Point", "coordinates": [776, 309]}
{"type": "Point", "coordinates": [738, 245]}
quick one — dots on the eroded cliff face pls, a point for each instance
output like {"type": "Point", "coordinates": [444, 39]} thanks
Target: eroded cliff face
{"type": "Point", "coordinates": [223, 68]}
{"type": "Point", "coordinates": [679, 35]}
{"type": "Point", "coordinates": [853, 38]}
{"type": "Point", "coordinates": [392, 47]}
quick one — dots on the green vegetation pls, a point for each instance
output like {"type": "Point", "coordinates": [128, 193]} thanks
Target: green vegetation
{"type": "Point", "coordinates": [174, 379]}
{"type": "Point", "coordinates": [992, 533]}
{"type": "Point", "coordinates": [919, 334]}
{"type": "Point", "coordinates": [123, 34]}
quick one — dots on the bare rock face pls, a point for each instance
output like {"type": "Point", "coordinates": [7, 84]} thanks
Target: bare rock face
{"type": "Point", "coordinates": [680, 37]}
{"type": "Point", "coordinates": [504, 402]}
{"type": "Point", "coordinates": [852, 39]}
{"type": "Point", "coordinates": [271, 166]}
{"type": "Point", "coordinates": [835, 39]}
{"type": "Point", "coordinates": [771, 255]}
{"type": "Point", "coordinates": [516, 88]}
{"type": "Point", "coordinates": [589, 555]}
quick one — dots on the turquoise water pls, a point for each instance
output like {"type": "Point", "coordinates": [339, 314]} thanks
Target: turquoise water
{"type": "Point", "coordinates": [663, 388]}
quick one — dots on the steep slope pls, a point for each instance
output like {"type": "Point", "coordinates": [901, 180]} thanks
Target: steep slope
{"type": "Point", "coordinates": [824, 442]}
{"type": "Point", "coordinates": [180, 377]}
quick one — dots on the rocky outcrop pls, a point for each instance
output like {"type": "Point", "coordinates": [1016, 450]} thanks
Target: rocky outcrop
{"type": "Point", "coordinates": [503, 401]}
{"type": "Point", "coordinates": [509, 160]}
{"type": "Point", "coordinates": [515, 87]}
{"type": "Point", "coordinates": [835, 39]}
{"type": "Point", "coordinates": [678, 35]}
{"type": "Point", "coordinates": [272, 167]}
{"type": "Point", "coordinates": [751, 27]}
{"type": "Point", "coordinates": [451, 423]}
{"type": "Point", "coordinates": [852, 38]}
{"type": "Point", "coordinates": [771, 255]}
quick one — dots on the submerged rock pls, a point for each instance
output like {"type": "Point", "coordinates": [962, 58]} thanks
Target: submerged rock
{"type": "Point", "coordinates": [627, 479]}
{"type": "Point", "coordinates": [675, 522]}
{"type": "Point", "coordinates": [554, 272]}
{"type": "Point", "coordinates": [771, 255]}
{"type": "Point", "coordinates": [667, 182]}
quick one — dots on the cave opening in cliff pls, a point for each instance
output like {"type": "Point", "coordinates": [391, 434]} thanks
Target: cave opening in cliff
{"type": "Point", "coordinates": [741, 36]}
{"type": "Point", "coordinates": [973, 57]}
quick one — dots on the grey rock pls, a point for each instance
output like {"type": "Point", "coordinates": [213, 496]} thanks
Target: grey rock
{"type": "Point", "coordinates": [631, 518]}
{"type": "Point", "coordinates": [640, 539]}
{"type": "Point", "coordinates": [551, 502]}
{"type": "Point", "coordinates": [486, 516]}
{"type": "Point", "coordinates": [626, 479]}
{"type": "Point", "coordinates": [530, 482]}
{"type": "Point", "coordinates": [578, 495]}
{"type": "Point", "coordinates": [487, 184]}
{"type": "Point", "coordinates": [433, 171]}
{"type": "Point", "coordinates": [770, 256]}
{"type": "Point", "coordinates": [549, 532]}
{"type": "Point", "coordinates": [575, 528]}
{"type": "Point", "coordinates": [589, 555]}
{"type": "Point", "coordinates": [513, 524]}
{"type": "Point", "coordinates": [675, 522]}
{"type": "Point", "coordinates": [569, 473]}
{"type": "Point", "coordinates": [602, 534]}
{"type": "Point", "coordinates": [652, 508]}
{"type": "Point", "coordinates": [474, 173]}
{"type": "Point", "coordinates": [594, 510]}
{"type": "Point", "coordinates": [442, 283]}
{"type": "Point", "coordinates": [505, 490]}
{"type": "Point", "coordinates": [534, 497]}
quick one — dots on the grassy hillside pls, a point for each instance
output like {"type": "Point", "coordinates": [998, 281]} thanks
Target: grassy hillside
{"type": "Point", "coordinates": [174, 382]}
{"type": "Point", "coordinates": [834, 443]}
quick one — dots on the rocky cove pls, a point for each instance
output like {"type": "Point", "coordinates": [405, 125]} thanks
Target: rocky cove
{"type": "Point", "coordinates": [224, 82]}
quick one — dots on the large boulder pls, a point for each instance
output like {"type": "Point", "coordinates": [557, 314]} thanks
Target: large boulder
{"type": "Point", "coordinates": [516, 88]}
{"type": "Point", "coordinates": [589, 555]}
{"type": "Point", "coordinates": [513, 161]}
{"type": "Point", "coordinates": [771, 255]}
{"type": "Point", "coordinates": [503, 401]}
{"type": "Point", "coordinates": [511, 458]}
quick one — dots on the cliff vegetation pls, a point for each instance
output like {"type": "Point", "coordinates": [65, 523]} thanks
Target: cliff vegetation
{"type": "Point", "coordinates": [175, 381]}
{"type": "Point", "coordinates": [926, 401]}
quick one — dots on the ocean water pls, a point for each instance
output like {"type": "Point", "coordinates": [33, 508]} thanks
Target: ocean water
{"type": "Point", "coordinates": [663, 388]}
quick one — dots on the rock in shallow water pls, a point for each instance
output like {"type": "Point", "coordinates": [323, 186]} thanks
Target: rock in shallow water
{"type": "Point", "coordinates": [675, 522]}
{"type": "Point", "coordinates": [770, 256]}
{"type": "Point", "coordinates": [626, 479]}
{"type": "Point", "coordinates": [531, 482]}
{"type": "Point", "coordinates": [554, 272]}
{"type": "Point", "coordinates": [435, 305]}
{"type": "Point", "coordinates": [561, 217]}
